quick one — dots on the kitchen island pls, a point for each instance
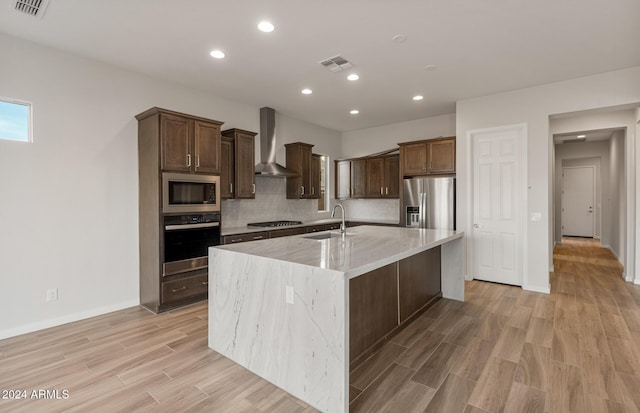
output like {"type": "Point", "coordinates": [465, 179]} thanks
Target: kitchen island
{"type": "Point", "coordinates": [299, 310]}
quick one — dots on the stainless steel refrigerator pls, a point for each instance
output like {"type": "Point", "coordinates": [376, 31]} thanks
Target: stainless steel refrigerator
{"type": "Point", "coordinates": [429, 202]}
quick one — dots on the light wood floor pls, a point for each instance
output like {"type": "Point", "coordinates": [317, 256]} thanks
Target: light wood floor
{"type": "Point", "coordinates": [503, 350]}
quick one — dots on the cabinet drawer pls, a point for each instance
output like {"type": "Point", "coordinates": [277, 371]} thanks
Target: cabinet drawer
{"type": "Point", "coordinates": [333, 226]}
{"type": "Point", "coordinates": [286, 232]}
{"type": "Point", "coordinates": [184, 288]}
{"type": "Point", "coordinates": [254, 236]}
{"type": "Point", "coordinates": [316, 228]}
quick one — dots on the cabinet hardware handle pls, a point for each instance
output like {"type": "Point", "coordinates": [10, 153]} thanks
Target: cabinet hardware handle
{"type": "Point", "coordinates": [188, 159]}
{"type": "Point", "coordinates": [258, 237]}
{"type": "Point", "coordinates": [301, 190]}
{"type": "Point", "coordinates": [175, 290]}
{"type": "Point", "coordinates": [381, 191]}
{"type": "Point", "coordinates": [205, 283]}
{"type": "Point", "coordinates": [254, 189]}
{"type": "Point", "coordinates": [197, 162]}
{"type": "Point", "coordinates": [230, 188]}
{"type": "Point", "coordinates": [313, 190]}
{"type": "Point", "coordinates": [387, 191]}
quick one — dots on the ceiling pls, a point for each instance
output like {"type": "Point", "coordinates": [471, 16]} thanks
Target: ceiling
{"type": "Point", "coordinates": [589, 136]}
{"type": "Point", "coordinates": [478, 47]}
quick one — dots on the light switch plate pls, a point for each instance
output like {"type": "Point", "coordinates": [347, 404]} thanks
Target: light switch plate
{"type": "Point", "coordinates": [52, 294]}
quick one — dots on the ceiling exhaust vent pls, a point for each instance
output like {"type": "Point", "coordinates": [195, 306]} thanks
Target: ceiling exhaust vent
{"type": "Point", "coordinates": [33, 8]}
{"type": "Point", "coordinates": [575, 140]}
{"type": "Point", "coordinates": [336, 63]}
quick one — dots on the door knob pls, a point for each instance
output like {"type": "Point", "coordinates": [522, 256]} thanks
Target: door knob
{"type": "Point", "coordinates": [476, 226]}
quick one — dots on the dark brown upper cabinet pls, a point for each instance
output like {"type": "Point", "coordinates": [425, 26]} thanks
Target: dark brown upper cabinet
{"type": "Point", "coordinates": [358, 178]}
{"type": "Point", "coordinates": [188, 143]}
{"type": "Point", "coordinates": [237, 177]}
{"type": "Point", "coordinates": [433, 156]}
{"type": "Point", "coordinates": [299, 159]}
{"type": "Point", "coordinates": [316, 190]}
{"type": "Point", "coordinates": [383, 174]}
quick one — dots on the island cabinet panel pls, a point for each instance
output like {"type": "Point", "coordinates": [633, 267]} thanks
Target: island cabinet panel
{"type": "Point", "coordinates": [227, 168]}
{"type": "Point", "coordinates": [343, 179]}
{"type": "Point", "coordinates": [418, 282]}
{"type": "Point", "coordinates": [373, 308]}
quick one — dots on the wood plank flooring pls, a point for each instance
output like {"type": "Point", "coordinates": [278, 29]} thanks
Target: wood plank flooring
{"type": "Point", "coordinates": [502, 350]}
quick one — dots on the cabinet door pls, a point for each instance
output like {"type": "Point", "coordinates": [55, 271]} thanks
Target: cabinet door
{"type": "Point", "coordinates": [392, 177]}
{"type": "Point", "coordinates": [175, 133]}
{"type": "Point", "coordinates": [207, 147]}
{"type": "Point", "coordinates": [245, 166]}
{"type": "Point", "coordinates": [358, 178]}
{"type": "Point", "coordinates": [299, 160]}
{"type": "Point", "coordinates": [227, 165]}
{"type": "Point", "coordinates": [414, 159]}
{"type": "Point", "coordinates": [315, 176]}
{"type": "Point", "coordinates": [375, 178]}
{"type": "Point", "coordinates": [442, 156]}
{"type": "Point", "coordinates": [343, 179]}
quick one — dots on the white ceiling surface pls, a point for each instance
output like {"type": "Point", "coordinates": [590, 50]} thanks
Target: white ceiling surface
{"type": "Point", "coordinates": [479, 47]}
{"type": "Point", "coordinates": [591, 136]}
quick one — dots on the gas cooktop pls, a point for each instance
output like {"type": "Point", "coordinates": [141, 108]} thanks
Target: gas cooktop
{"type": "Point", "coordinates": [274, 224]}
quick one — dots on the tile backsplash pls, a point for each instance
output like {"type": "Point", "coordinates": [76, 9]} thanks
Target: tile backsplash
{"type": "Point", "coordinates": [271, 204]}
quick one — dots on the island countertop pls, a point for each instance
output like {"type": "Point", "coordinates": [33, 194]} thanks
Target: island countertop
{"type": "Point", "coordinates": [364, 248]}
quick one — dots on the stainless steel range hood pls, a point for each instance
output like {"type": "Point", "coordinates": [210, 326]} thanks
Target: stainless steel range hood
{"type": "Point", "coordinates": [268, 166]}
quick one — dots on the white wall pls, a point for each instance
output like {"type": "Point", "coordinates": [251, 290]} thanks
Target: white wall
{"type": "Point", "coordinates": [70, 199]}
{"type": "Point", "coordinates": [372, 140]}
{"type": "Point", "coordinates": [533, 106]}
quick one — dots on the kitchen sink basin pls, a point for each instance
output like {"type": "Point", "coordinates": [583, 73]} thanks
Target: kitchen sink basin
{"type": "Point", "coordinates": [325, 235]}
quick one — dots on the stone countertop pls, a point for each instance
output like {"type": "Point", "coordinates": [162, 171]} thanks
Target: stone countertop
{"type": "Point", "coordinates": [364, 248]}
{"type": "Point", "coordinates": [248, 230]}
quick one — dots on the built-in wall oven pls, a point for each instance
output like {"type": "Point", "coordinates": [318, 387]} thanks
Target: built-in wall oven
{"type": "Point", "coordinates": [190, 193]}
{"type": "Point", "coordinates": [187, 239]}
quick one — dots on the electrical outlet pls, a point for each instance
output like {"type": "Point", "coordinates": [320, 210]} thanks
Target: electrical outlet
{"type": "Point", "coordinates": [52, 294]}
{"type": "Point", "coordinates": [536, 216]}
{"type": "Point", "coordinates": [288, 294]}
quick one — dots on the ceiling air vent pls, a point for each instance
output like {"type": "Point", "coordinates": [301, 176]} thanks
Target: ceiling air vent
{"type": "Point", "coordinates": [336, 63]}
{"type": "Point", "coordinates": [33, 8]}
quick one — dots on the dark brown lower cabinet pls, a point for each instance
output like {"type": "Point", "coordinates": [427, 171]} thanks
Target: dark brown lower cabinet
{"type": "Point", "coordinates": [418, 282]}
{"type": "Point", "coordinates": [383, 301]}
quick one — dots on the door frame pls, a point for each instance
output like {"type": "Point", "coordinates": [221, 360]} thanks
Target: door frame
{"type": "Point", "coordinates": [596, 210]}
{"type": "Point", "coordinates": [521, 130]}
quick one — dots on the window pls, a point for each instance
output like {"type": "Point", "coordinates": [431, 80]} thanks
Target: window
{"type": "Point", "coordinates": [15, 120]}
{"type": "Point", "coordinates": [323, 201]}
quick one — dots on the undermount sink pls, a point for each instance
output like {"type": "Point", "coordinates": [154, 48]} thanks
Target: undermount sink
{"type": "Point", "coordinates": [325, 235]}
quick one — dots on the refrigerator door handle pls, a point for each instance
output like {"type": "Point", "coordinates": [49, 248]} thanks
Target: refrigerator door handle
{"type": "Point", "coordinates": [423, 210]}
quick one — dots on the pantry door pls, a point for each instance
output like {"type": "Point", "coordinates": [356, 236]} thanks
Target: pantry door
{"type": "Point", "coordinates": [499, 169]}
{"type": "Point", "coordinates": [578, 201]}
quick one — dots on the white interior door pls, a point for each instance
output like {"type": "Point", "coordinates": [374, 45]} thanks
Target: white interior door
{"type": "Point", "coordinates": [498, 206]}
{"type": "Point", "coordinates": [578, 201]}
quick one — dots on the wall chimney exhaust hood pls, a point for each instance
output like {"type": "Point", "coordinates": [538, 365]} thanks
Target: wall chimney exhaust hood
{"type": "Point", "coordinates": [268, 166]}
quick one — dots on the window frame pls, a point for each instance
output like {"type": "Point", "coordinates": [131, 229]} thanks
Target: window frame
{"type": "Point", "coordinates": [29, 106]}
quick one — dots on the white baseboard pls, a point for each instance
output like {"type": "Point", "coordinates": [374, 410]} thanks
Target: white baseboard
{"type": "Point", "coordinates": [537, 289]}
{"type": "Point", "coordinates": [69, 318]}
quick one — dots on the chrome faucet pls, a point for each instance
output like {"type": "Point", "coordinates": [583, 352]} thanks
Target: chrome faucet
{"type": "Point", "coordinates": [343, 227]}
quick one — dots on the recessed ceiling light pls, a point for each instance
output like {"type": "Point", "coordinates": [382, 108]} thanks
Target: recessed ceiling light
{"type": "Point", "coordinates": [353, 76]}
{"type": "Point", "coordinates": [354, 111]}
{"type": "Point", "coordinates": [266, 27]}
{"type": "Point", "coordinates": [430, 68]}
{"type": "Point", "coordinates": [418, 97]}
{"type": "Point", "coordinates": [399, 38]}
{"type": "Point", "coordinates": [218, 54]}
{"type": "Point", "coordinates": [581, 136]}
{"type": "Point", "coordinates": [306, 91]}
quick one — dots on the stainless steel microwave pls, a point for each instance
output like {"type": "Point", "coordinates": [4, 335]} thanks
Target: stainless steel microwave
{"type": "Point", "coordinates": [190, 193]}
